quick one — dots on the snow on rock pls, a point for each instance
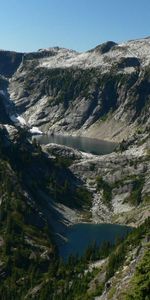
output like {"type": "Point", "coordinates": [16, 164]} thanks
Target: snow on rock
{"type": "Point", "coordinates": [18, 119]}
{"type": "Point", "coordinates": [21, 120]}
{"type": "Point", "coordinates": [65, 58]}
{"type": "Point", "coordinates": [35, 130]}
{"type": "Point", "coordinates": [139, 48]}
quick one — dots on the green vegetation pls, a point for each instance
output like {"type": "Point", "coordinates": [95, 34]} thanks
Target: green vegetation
{"type": "Point", "coordinates": [83, 196]}
{"type": "Point", "coordinates": [30, 267]}
{"type": "Point", "coordinates": [28, 255]}
{"type": "Point", "coordinates": [94, 252]}
{"type": "Point", "coordinates": [146, 199]}
{"type": "Point", "coordinates": [106, 188]}
{"type": "Point", "coordinates": [117, 257]}
{"type": "Point", "coordinates": [140, 284]}
{"type": "Point", "coordinates": [135, 196]}
{"type": "Point", "coordinates": [63, 86]}
{"type": "Point", "coordinates": [148, 153]}
{"type": "Point", "coordinates": [65, 162]}
{"type": "Point", "coordinates": [136, 181]}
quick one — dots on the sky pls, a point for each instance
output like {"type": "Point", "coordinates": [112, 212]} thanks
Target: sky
{"type": "Point", "coordinates": [28, 25]}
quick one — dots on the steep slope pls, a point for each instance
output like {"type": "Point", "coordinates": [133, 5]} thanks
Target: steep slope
{"type": "Point", "coordinates": [9, 62]}
{"type": "Point", "coordinates": [32, 187]}
{"type": "Point", "coordinates": [101, 93]}
{"type": "Point", "coordinates": [119, 182]}
{"type": "Point", "coordinates": [124, 275]}
{"type": "Point", "coordinates": [4, 117]}
{"type": "Point", "coordinates": [104, 93]}
{"type": "Point", "coordinates": [46, 179]}
{"type": "Point", "coordinates": [29, 262]}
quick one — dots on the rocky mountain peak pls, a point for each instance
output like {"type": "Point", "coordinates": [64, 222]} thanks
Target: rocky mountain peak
{"type": "Point", "coordinates": [58, 89]}
{"type": "Point", "coordinates": [103, 56]}
{"type": "Point", "coordinates": [103, 48]}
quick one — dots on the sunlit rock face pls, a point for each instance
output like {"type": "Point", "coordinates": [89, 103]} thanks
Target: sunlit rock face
{"type": "Point", "coordinates": [101, 93]}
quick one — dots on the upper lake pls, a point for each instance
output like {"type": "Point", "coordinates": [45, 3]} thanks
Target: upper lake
{"type": "Point", "coordinates": [84, 144]}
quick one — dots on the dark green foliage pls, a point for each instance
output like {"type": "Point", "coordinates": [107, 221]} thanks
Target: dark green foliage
{"type": "Point", "coordinates": [64, 162]}
{"type": "Point", "coordinates": [140, 284]}
{"type": "Point", "coordinates": [95, 252]}
{"type": "Point", "coordinates": [135, 197]}
{"type": "Point", "coordinates": [83, 196]}
{"type": "Point", "coordinates": [26, 234]}
{"type": "Point", "coordinates": [116, 259]}
{"type": "Point", "coordinates": [64, 86]}
{"type": "Point", "coordinates": [9, 62]}
{"type": "Point", "coordinates": [136, 194]}
{"type": "Point", "coordinates": [41, 175]}
{"type": "Point", "coordinates": [122, 146]}
{"type": "Point", "coordinates": [107, 190]}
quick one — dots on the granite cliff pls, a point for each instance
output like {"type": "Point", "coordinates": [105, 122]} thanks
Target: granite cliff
{"type": "Point", "coordinates": [101, 93]}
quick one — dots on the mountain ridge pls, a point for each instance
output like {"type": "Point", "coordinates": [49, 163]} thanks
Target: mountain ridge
{"type": "Point", "coordinates": [43, 189]}
{"type": "Point", "coordinates": [85, 93]}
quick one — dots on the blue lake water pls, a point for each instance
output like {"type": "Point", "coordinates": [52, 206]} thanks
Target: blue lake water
{"type": "Point", "coordinates": [84, 144]}
{"type": "Point", "coordinates": [80, 236]}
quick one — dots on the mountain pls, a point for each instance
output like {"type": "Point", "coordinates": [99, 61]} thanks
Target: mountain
{"type": "Point", "coordinates": [35, 189]}
{"type": "Point", "coordinates": [101, 93]}
{"type": "Point", "coordinates": [33, 184]}
{"type": "Point", "coordinates": [9, 62]}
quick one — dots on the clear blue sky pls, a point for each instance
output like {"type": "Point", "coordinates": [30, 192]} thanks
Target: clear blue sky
{"type": "Point", "coordinates": [27, 25]}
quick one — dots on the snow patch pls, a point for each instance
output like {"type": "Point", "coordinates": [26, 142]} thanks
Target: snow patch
{"type": "Point", "coordinates": [18, 119]}
{"type": "Point", "coordinates": [21, 120]}
{"type": "Point", "coordinates": [35, 130]}
{"type": "Point", "coordinates": [65, 58]}
{"type": "Point", "coordinates": [2, 92]}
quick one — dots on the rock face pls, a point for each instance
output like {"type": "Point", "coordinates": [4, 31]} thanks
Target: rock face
{"type": "Point", "coordinates": [9, 62]}
{"type": "Point", "coordinates": [102, 93]}
{"type": "Point", "coordinates": [119, 182]}
{"type": "Point", "coordinates": [63, 151]}
{"type": "Point", "coordinates": [4, 117]}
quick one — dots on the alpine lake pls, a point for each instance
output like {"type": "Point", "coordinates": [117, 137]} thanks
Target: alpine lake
{"type": "Point", "coordinates": [80, 236]}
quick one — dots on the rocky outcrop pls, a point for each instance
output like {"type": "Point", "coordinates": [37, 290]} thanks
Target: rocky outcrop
{"type": "Point", "coordinates": [63, 151]}
{"type": "Point", "coordinates": [102, 93]}
{"type": "Point", "coordinates": [9, 62]}
{"type": "Point", "coordinates": [118, 182]}
{"type": "Point", "coordinates": [4, 117]}
{"type": "Point", "coordinates": [122, 283]}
